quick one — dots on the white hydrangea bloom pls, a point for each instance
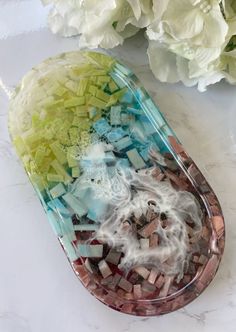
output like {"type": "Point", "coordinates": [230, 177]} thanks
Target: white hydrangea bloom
{"type": "Point", "coordinates": [192, 41]}
{"type": "Point", "coordinates": [102, 23]}
{"type": "Point", "coordinates": [188, 40]}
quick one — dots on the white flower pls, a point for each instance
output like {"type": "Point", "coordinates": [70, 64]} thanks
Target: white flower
{"type": "Point", "coordinates": [102, 23]}
{"type": "Point", "coordinates": [192, 41]}
{"type": "Point", "coordinates": [187, 41]}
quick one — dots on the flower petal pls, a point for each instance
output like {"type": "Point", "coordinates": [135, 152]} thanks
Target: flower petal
{"type": "Point", "coordinates": [159, 8]}
{"type": "Point", "coordinates": [183, 72]}
{"type": "Point", "coordinates": [183, 20]}
{"type": "Point", "coordinates": [162, 63]}
{"type": "Point", "coordinates": [208, 79]}
{"type": "Point", "coordinates": [135, 5]}
{"type": "Point", "coordinates": [214, 31]}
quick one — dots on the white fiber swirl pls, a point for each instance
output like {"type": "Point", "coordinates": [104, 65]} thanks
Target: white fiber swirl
{"type": "Point", "coordinates": [130, 194]}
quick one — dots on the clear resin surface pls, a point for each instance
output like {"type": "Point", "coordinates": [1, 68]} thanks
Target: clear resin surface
{"type": "Point", "coordinates": [140, 225]}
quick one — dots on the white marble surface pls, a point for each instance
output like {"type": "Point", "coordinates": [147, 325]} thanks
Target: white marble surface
{"type": "Point", "coordinates": [38, 290]}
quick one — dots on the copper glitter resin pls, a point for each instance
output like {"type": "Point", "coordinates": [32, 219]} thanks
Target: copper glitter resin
{"type": "Point", "coordinates": [141, 227]}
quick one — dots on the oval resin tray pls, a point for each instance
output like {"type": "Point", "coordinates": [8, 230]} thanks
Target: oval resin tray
{"type": "Point", "coordinates": [141, 227]}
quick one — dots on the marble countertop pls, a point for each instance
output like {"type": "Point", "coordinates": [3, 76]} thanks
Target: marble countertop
{"type": "Point", "coordinates": [38, 290]}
